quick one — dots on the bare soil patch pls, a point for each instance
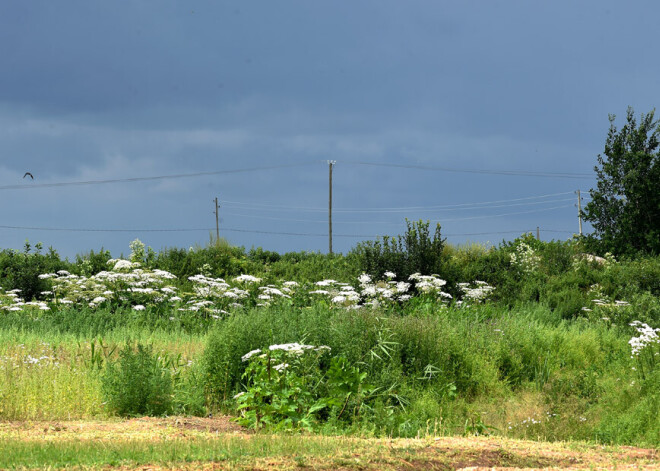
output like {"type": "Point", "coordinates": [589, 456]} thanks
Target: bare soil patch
{"type": "Point", "coordinates": [147, 428]}
{"type": "Point", "coordinates": [430, 453]}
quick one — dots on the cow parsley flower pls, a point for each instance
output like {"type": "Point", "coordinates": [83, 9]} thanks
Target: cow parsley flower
{"type": "Point", "coordinates": [325, 283]}
{"type": "Point", "coordinates": [122, 265]}
{"type": "Point", "coordinates": [250, 354]}
{"type": "Point", "coordinates": [247, 279]}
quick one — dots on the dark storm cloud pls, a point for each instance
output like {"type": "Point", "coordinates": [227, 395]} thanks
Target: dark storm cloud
{"type": "Point", "coordinates": [135, 88]}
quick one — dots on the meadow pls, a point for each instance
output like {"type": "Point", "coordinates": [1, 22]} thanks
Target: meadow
{"type": "Point", "coordinates": [527, 340]}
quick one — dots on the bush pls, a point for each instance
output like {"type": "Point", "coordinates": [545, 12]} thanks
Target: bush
{"type": "Point", "coordinates": [91, 263]}
{"type": "Point", "coordinates": [413, 252]}
{"type": "Point", "coordinates": [223, 260]}
{"type": "Point", "coordinates": [137, 383]}
{"type": "Point", "coordinates": [21, 270]}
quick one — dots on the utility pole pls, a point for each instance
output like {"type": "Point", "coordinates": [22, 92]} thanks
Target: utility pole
{"type": "Point", "coordinates": [538, 233]}
{"type": "Point", "coordinates": [217, 226]}
{"type": "Point", "coordinates": [330, 164]}
{"type": "Point", "coordinates": [579, 206]}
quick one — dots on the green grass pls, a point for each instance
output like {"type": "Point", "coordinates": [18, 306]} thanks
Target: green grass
{"type": "Point", "coordinates": [522, 373]}
{"type": "Point", "coordinates": [317, 452]}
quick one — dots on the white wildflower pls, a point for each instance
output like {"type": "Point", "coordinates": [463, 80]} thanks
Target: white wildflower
{"type": "Point", "coordinates": [250, 354]}
{"type": "Point", "coordinates": [247, 279]}
{"type": "Point", "coordinates": [326, 282]}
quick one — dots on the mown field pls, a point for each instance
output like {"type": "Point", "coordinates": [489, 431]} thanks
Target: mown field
{"type": "Point", "coordinates": [525, 341]}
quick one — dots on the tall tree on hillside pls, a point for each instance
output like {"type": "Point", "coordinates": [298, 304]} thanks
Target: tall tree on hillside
{"type": "Point", "coordinates": [625, 207]}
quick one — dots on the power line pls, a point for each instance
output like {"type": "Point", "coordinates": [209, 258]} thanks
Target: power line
{"type": "Point", "coordinates": [394, 209]}
{"type": "Point", "coordinates": [250, 231]}
{"type": "Point", "coordinates": [264, 232]}
{"type": "Point", "coordinates": [314, 221]}
{"type": "Point", "coordinates": [518, 173]}
{"type": "Point", "coordinates": [143, 179]}
{"type": "Point", "coordinates": [417, 209]}
{"type": "Point", "coordinates": [65, 229]}
{"type": "Point", "coordinates": [274, 167]}
{"type": "Point", "coordinates": [503, 214]}
{"type": "Point", "coordinates": [324, 234]}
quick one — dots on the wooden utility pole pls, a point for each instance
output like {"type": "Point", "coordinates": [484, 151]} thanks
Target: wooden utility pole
{"type": "Point", "coordinates": [330, 164]}
{"type": "Point", "coordinates": [217, 225]}
{"type": "Point", "coordinates": [538, 233]}
{"type": "Point", "coordinates": [579, 206]}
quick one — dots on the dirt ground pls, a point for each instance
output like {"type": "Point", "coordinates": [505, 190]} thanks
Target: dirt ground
{"type": "Point", "coordinates": [429, 453]}
{"type": "Point", "coordinates": [143, 428]}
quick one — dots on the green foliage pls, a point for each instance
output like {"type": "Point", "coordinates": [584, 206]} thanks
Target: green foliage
{"type": "Point", "coordinates": [92, 262]}
{"type": "Point", "coordinates": [415, 251]}
{"type": "Point", "coordinates": [306, 267]}
{"type": "Point", "coordinates": [288, 389]}
{"type": "Point", "coordinates": [137, 383]}
{"type": "Point", "coordinates": [625, 206]}
{"type": "Point", "coordinates": [632, 416]}
{"type": "Point", "coordinates": [543, 342]}
{"type": "Point", "coordinates": [21, 270]}
{"type": "Point", "coordinates": [223, 260]}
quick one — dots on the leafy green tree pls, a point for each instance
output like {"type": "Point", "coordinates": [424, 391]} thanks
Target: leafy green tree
{"type": "Point", "coordinates": [625, 207]}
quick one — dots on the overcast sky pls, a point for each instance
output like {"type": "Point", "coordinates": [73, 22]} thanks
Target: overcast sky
{"type": "Point", "coordinates": [94, 91]}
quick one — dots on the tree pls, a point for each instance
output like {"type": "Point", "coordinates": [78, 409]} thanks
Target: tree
{"type": "Point", "coordinates": [625, 207]}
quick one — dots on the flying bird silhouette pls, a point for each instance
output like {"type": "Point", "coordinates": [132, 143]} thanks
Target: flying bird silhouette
{"type": "Point", "coordinates": [28, 173]}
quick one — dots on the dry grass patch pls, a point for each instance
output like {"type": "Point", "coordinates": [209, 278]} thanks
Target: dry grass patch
{"type": "Point", "coordinates": [218, 443]}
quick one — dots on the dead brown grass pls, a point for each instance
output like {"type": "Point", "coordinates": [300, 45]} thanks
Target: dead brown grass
{"type": "Point", "coordinates": [431, 453]}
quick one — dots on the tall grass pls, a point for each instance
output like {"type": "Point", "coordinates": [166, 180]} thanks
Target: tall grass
{"type": "Point", "coordinates": [542, 359]}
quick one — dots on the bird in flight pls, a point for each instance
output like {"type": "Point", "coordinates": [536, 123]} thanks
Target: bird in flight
{"type": "Point", "coordinates": [28, 173]}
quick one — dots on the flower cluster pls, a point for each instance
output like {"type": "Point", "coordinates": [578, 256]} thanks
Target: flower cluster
{"type": "Point", "coordinates": [41, 355]}
{"type": "Point", "coordinates": [603, 305]}
{"type": "Point", "coordinates": [475, 292]}
{"type": "Point", "coordinates": [525, 258]}
{"type": "Point", "coordinates": [125, 282]}
{"type": "Point", "coordinates": [647, 339]}
{"type": "Point", "coordinates": [12, 302]}
{"type": "Point", "coordinates": [380, 292]}
{"type": "Point", "coordinates": [288, 348]}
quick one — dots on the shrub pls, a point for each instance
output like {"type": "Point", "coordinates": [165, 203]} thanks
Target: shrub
{"type": "Point", "coordinates": [91, 263]}
{"type": "Point", "coordinates": [412, 252]}
{"type": "Point", "coordinates": [21, 270]}
{"type": "Point", "coordinates": [137, 383]}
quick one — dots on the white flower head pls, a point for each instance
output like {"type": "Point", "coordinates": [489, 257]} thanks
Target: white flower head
{"type": "Point", "coordinates": [122, 265]}
{"type": "Point", "coordinates": [247, 279]}
{"type": "Point", "coordinates": [250, 354]}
